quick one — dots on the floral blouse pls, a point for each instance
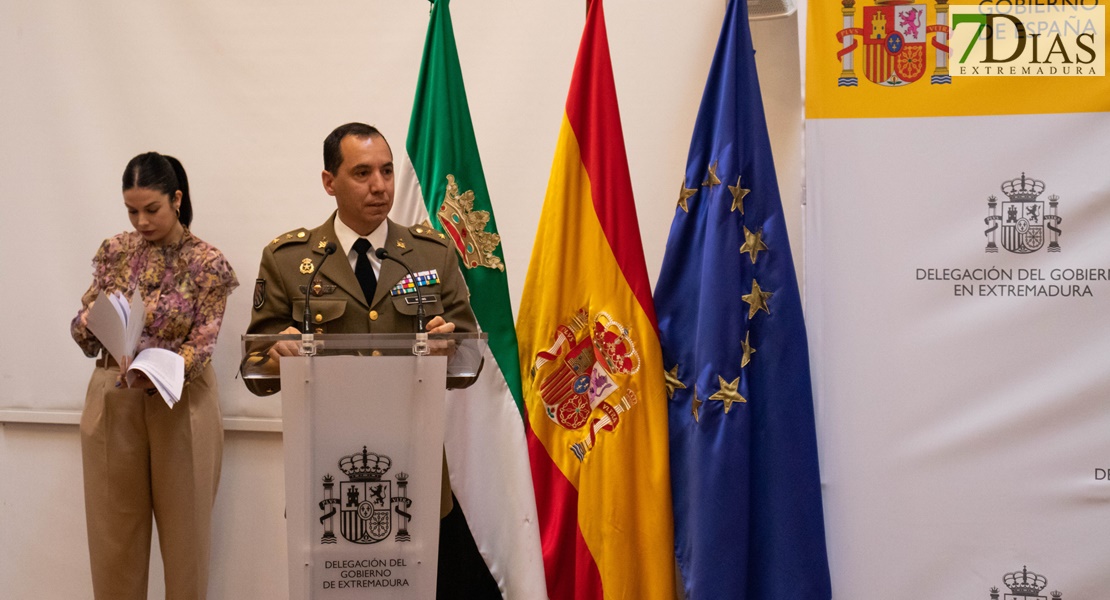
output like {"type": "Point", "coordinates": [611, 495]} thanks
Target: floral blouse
{"type": "Point", "coordinates": [184, 287]}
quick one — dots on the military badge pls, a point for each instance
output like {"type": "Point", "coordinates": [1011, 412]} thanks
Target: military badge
{"type": "Point", "coordinates": [466, 227]}
{"type": "Point", "coordinates": [319, 288]}
{"type": "Point", "coordinates": [408, 285]}
{"type": "Point", "coordinates": [307, 267]}
{"type": "Point", "coordinates": [259, 293]}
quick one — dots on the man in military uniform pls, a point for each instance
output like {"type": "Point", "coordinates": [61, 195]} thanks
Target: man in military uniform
{"type": "Point", "coordinates": [358, 172]}
{"type": "Point", "coordinates": [355, 292]}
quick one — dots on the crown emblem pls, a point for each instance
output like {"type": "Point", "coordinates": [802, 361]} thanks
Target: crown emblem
{"type": "Point", "coordinates": [613, 346]}
{"type": "Point", "coordinates": [1025, 582]}
{"type": "Point", "coordinates": [466, 227]}
{"type": "Point", "coordinates": [1023, 189]}
{"type": "Point", "coordinates": [367, 466]}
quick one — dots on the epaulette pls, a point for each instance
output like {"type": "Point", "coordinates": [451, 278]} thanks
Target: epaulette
{"type": "Point", "coordinates": [298, 236]}
{"type": "Point", "coordinates": [427, 232]}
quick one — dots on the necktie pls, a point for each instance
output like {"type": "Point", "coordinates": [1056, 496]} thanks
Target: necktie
{"type": "Point", "coordinates": [364, 270]}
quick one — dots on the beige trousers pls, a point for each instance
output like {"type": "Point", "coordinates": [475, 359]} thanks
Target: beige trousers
{"type": "Point", "coordinates": [142, 458]}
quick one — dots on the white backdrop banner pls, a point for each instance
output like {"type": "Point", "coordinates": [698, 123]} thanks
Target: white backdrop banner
{"type": "Point", "coordinates": [958, 280]}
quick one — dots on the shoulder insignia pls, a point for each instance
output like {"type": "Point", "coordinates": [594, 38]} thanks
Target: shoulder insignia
{"type": "Point", "coordinates": [425, 231]}
{"type": "Point", "coordinates": [295, 236]}
{"type": "Point", "coordinates": [259, 293]}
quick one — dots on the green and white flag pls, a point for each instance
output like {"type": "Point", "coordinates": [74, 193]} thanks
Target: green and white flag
{"type": "Point", "coordinates": [487, 454]}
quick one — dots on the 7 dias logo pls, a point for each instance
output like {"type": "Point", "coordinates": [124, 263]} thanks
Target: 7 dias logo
{"type": "Point", "coordinates": [1054, 40]}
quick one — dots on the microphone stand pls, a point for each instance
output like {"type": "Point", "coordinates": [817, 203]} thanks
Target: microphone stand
{"type": "Point", "coordinates": [420, 348]}
{"type": "Point", "coordinates": [308, 344]}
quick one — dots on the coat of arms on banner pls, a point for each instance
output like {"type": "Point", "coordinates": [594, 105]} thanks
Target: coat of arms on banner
{"type": "Point", "coordinates": [894, 34]}
{"type": "Point", "coordinates": [1025, 585]}
{"type": "Point", "coordinates": [1024, 223]}
{"type": "Point", "coordinates": [366, 503]}
{"type": "Point", "coordinates": [467, 228]}
{"type": "Point", "coordinates": [577, 376]}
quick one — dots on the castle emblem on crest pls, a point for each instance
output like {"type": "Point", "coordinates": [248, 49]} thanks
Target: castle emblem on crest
{"type": "Point", "coordinates": [894, 35]}
{"type": "Point", "coordinates": [1023, 220]}
{"type": "Point", "coordinates": [1025, 585]}
{"type": "Point", "coordinates": [367, 506]}
{"type": "Point", "coordinates": [580, 375]}
{"type": "Point", "coordinates": [466, 227]}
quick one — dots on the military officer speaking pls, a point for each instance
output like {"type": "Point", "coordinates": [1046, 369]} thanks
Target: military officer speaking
{"type": "Point", "coordinates": [354, 296]}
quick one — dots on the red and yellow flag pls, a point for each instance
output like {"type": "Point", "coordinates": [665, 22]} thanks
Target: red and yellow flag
{"type": "Point", "coordinates": [590, 359]}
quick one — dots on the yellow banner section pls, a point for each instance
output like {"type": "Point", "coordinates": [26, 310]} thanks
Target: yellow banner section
{"type": "Point", "coordinates": [892, 58]}
{"type": "Point", "coordinates": [593, 386]}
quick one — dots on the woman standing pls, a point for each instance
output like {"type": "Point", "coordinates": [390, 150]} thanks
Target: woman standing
{"type": "Point", "coordinates": [139, 455]}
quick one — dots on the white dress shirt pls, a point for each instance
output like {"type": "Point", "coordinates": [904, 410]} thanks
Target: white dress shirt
{"type": "Point", "coordinates": [346, 237]}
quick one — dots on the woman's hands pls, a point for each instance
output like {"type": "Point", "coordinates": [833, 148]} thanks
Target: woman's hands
{"type": "Point", "coordinates": [141, 382]}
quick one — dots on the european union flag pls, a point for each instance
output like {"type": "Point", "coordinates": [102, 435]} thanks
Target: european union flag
{"type": "Point", "coordinates": [744, 475]}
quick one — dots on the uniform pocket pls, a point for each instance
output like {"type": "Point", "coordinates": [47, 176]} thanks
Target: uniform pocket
{"type": "Point", "coordinates": [321, 310]}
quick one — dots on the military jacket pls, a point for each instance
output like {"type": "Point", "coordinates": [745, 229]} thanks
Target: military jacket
{"type": "Point", "coordinates": [337, 303]}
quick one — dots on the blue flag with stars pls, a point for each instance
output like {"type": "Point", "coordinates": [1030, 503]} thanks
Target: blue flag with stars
{"type": "Point", "coordinates": [744, 474]}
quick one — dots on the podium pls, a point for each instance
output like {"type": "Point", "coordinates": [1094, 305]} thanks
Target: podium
{"type": "Point", "coordinates": [363, 426]}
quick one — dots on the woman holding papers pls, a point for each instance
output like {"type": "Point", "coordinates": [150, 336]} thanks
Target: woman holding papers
{"type": "Point", "coordinates": [142, 453]}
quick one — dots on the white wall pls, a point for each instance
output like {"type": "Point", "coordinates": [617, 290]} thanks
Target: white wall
{"type": "Point", "coordinates": [244, 93]}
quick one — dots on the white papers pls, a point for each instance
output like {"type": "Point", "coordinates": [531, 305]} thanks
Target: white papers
{"type": "Point", "coordinates": [109, 320]}
{"type": "Point", "coordinates": [165, 369]}
{"type": "Point", "coordinates": [119, 325]}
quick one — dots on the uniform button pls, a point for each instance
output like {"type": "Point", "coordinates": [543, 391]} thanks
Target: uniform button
{"type": "Point", "coordinates": [376, 353]}
{"type": "Point", "coordinates": [319, 318]}
{"type": "Point", "coordinates": [319, 330]}
{"type": "Point", "coordinates": [373, 315]}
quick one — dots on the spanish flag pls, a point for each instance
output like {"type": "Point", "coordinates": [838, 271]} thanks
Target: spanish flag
{"type": "Point", "coordinates": [591, 363]}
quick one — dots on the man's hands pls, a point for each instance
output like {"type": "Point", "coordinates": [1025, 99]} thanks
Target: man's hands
{"type": "Point", "coordinates": [293, 348]}
{"type": "Point", "coordinates": [438, 325]}
{"type": "Point", "coordinates": [285, 347]}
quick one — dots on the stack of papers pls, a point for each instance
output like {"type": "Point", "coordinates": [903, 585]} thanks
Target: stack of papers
{"type": "Point", "coordinates": [118, 324]}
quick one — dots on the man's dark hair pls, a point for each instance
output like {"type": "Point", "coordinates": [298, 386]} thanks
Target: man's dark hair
{"type": "Point", "coordinates": [333, 157]}
{"type": "Point", "coordinates": [162, 173]}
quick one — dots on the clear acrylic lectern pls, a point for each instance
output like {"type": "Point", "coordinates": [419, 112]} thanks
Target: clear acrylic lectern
{"type": "Point", "coordinates": [363, 423]}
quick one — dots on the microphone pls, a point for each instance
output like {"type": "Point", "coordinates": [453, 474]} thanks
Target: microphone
{"type": "Point", "coordinates": [329, 249]}
{"type": "Point", "coordinates": [383, 255]}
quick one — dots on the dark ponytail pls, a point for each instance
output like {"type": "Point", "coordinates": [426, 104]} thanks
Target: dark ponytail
{"type": "Point", "coordinates": [162, 173]}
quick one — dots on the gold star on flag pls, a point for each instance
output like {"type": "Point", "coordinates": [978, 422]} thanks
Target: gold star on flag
{"type": "Point", "coordinates": [753, 243]}
{"type": "Point", "coordinates": [712, 180]}
{"type": "Point", "coordinates": [684, 194]}
{"type": "Point", "coordinates": [695, 404]}
{"type": "Point", "coordinates": [748, 351]}
{"type": "Point", "coordinates": [738, 194]}
{"type": "Point", "coordinates": [673, 382]}
{"type": "Point", "coordinates": [728, 393]}
{"type": "Point", "coordinates": [757, 299]}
